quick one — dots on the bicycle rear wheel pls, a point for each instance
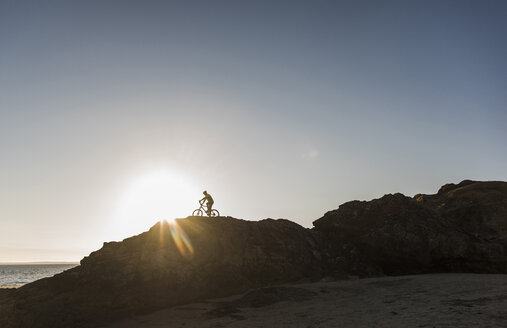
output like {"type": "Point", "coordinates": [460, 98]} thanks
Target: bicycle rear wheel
{"type": "Point", "coordinates": [214, 213]}
{"type": "Point", "coordinates": [197, 212]}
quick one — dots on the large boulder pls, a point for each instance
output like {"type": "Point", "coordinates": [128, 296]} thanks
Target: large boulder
{"type": "Point", "coordinates": [478, 208]}
{"type": "Point", "coordinates": [194, 259]}
{"type": "Point", "coordinates": [400, 235]}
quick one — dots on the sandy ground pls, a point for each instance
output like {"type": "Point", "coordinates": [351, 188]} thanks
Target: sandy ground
{"type": "Point", "coordinates": [436, 300]}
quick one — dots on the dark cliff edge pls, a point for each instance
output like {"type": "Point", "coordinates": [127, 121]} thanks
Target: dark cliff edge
{"type": "Point", "coordinates": [462, 228]}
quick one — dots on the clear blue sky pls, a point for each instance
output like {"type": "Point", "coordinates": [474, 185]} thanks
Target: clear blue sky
{"type": "Point", "coordinates": [279, 109]}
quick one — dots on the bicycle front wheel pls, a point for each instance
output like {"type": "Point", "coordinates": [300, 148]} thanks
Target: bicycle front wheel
{"type": "Point", "coordinates": [197, 212]}
{"type": "Point", "coordinates": [214, 213]}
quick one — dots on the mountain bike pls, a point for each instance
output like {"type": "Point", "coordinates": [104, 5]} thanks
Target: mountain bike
{"type": "Point", "coordinates": [201, 211]}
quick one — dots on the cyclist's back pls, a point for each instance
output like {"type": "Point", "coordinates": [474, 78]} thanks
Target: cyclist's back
{"type": "Point", "coordinates": [209, 201]}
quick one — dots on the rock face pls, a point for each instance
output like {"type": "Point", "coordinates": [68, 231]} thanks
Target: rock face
{"type": "Point", "coordinates": [479, 208]}
{"type": "Point", "coordinates": [225, 256]}
{"type": "Point", "coordinates": [462, 228]}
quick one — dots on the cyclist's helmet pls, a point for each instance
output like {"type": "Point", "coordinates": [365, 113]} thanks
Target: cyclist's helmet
{"type": "Point", "coordinates": [205, 192]}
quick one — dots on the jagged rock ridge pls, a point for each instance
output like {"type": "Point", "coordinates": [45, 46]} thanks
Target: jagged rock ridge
{"type": "Point", "coordinates": [462, 228]}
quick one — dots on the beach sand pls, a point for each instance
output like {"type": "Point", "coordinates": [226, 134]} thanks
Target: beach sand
{"type": "Point", "coordinates": [433, 300]}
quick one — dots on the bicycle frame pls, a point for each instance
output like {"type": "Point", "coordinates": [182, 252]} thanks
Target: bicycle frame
{"type": "Point", "coordinates": [202, 210]}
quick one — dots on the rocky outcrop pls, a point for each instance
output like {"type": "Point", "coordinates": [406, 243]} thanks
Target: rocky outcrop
{"type": "Point", "coordinates": [218, 257]}
{"type": "Point", "coordinates": [478, 208]}
{"type": "Point", "coordinates": [462, 228]}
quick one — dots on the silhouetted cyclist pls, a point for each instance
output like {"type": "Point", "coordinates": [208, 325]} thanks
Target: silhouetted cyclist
{"type": "Point", "coordinates": [209, 201]}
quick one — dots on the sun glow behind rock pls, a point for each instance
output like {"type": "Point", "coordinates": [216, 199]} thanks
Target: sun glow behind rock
{"type": "Point", "coordinates": [181, 240]}
{"type": "Point", "coordinates": [155, 196]}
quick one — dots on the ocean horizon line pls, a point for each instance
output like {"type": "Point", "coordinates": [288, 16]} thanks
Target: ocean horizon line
{"type": "Point", "coordinates": [39, 263]}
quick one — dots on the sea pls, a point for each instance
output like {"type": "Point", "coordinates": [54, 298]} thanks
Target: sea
{"type": "Point", "coordinates": [17, 275]}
